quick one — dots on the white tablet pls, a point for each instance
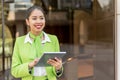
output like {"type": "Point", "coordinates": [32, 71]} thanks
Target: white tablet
{"type": "Point", "coordinates": [49, 55]}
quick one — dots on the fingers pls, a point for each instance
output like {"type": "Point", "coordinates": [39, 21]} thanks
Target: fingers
{"type": "Point", "coordinates": [33, 63]}
{"type": "Point", "coordinates": [56, 62]}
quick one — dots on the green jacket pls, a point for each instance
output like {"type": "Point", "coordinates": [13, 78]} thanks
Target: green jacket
{"type": "Point", "coordinates": [24, 53]}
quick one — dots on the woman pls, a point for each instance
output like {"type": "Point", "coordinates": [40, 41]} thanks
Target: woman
{"type": "Point", "coordinates": [30, 47]}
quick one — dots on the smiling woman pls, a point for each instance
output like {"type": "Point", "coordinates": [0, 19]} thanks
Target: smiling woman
{"type": "Point", "coordinates": [30, 47]}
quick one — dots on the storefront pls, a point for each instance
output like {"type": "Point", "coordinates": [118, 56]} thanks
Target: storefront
{"type": "Point", "coordinates": [86, 29]}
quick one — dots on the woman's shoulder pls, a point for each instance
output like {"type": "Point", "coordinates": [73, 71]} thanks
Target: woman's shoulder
{"type": "Point", "coordinates": [21, 38]}
{"type": "Point", "coordinates": [51, 35]}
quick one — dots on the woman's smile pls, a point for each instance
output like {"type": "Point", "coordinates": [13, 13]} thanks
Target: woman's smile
{"type": "Point", "coordinates": [38, 26]}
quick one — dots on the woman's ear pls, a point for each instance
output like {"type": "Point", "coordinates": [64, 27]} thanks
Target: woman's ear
{"type": "Point", "coordinates": [27, 22]}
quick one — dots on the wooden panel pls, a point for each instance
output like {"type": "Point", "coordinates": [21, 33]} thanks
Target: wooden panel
{"type": "Point", "coordinates": [105, 29]}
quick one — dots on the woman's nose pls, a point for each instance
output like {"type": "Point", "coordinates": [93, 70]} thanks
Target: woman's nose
{"type": "Point", "coordinates": [38, 21]}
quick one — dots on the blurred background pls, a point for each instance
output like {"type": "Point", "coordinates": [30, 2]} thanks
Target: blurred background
{"type": "Point", "coordinates": [85, 29]}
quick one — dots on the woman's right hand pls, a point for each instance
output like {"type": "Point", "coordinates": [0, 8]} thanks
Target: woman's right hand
{"type": "Point", "coordinates": [33, 63]}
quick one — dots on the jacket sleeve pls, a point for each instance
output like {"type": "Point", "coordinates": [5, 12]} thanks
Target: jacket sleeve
{"type": "Point", "coordinates": [18, 69]}
{"type": "Point", "coordinates": [58, 74]}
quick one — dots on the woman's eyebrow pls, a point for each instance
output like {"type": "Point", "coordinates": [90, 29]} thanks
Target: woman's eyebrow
{"type": "Point", "coordinates": [39, 16]}
{"type": "Point", "coordinates": [34, 16]}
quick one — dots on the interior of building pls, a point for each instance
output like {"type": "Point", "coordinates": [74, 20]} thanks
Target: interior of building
{"type": "Point", "coordinates": [85, 29]}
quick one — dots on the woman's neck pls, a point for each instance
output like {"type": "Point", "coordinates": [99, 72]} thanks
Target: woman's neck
{"type": "Point", "coordinates": [36, 33]}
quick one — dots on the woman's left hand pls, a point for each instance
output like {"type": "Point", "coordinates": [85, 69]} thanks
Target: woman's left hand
{"type": "Point", "coordinates": [56, 62]}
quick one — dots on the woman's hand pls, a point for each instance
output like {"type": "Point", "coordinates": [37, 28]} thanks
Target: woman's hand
{"type": "Point", "coordinates": [56, 62]}
{"type": "Point", "coordinates": [33, 63]}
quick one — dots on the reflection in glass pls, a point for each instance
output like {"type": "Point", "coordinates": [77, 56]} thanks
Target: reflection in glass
{"type": "Point", "coordinates": [104, 3]}
{"type": "Point", "coordinates": [8, 46]}
{"type": "Point", "coordinates": [72, 24]}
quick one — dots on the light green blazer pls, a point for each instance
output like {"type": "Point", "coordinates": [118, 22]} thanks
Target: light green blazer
{"type": "Point", "coordinates": [24, 53]}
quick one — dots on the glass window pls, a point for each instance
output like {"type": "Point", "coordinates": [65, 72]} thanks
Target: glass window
{"type": "Point", "coordinates": [85, 29]}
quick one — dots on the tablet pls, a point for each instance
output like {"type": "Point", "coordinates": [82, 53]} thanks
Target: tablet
{"type": "Point", "coordinates": [49, 55]}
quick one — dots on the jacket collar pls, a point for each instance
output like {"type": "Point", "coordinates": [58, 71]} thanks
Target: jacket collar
{"type": "Point", "coordinates": [30, 40]}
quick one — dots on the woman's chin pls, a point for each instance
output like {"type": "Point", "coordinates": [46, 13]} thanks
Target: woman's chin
{"type": "Point", "coordinates": [38, 31]}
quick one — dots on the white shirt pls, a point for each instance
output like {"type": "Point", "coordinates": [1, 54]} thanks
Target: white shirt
{"type": "Point", "coordinates": [28, 39]}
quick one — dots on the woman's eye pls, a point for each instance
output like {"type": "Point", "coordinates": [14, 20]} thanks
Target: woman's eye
{"type": "Point", "coordinates": [41, 18]}
{"type": "Point", "coordinates": [34, 18]}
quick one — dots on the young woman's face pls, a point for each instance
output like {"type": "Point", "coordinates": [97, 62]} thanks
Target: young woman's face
{"type": "Point", "coordinates": [36, 21]}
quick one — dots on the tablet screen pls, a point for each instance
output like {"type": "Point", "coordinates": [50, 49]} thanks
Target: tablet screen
{"type": "Point", "coordinates": [49, 55]}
